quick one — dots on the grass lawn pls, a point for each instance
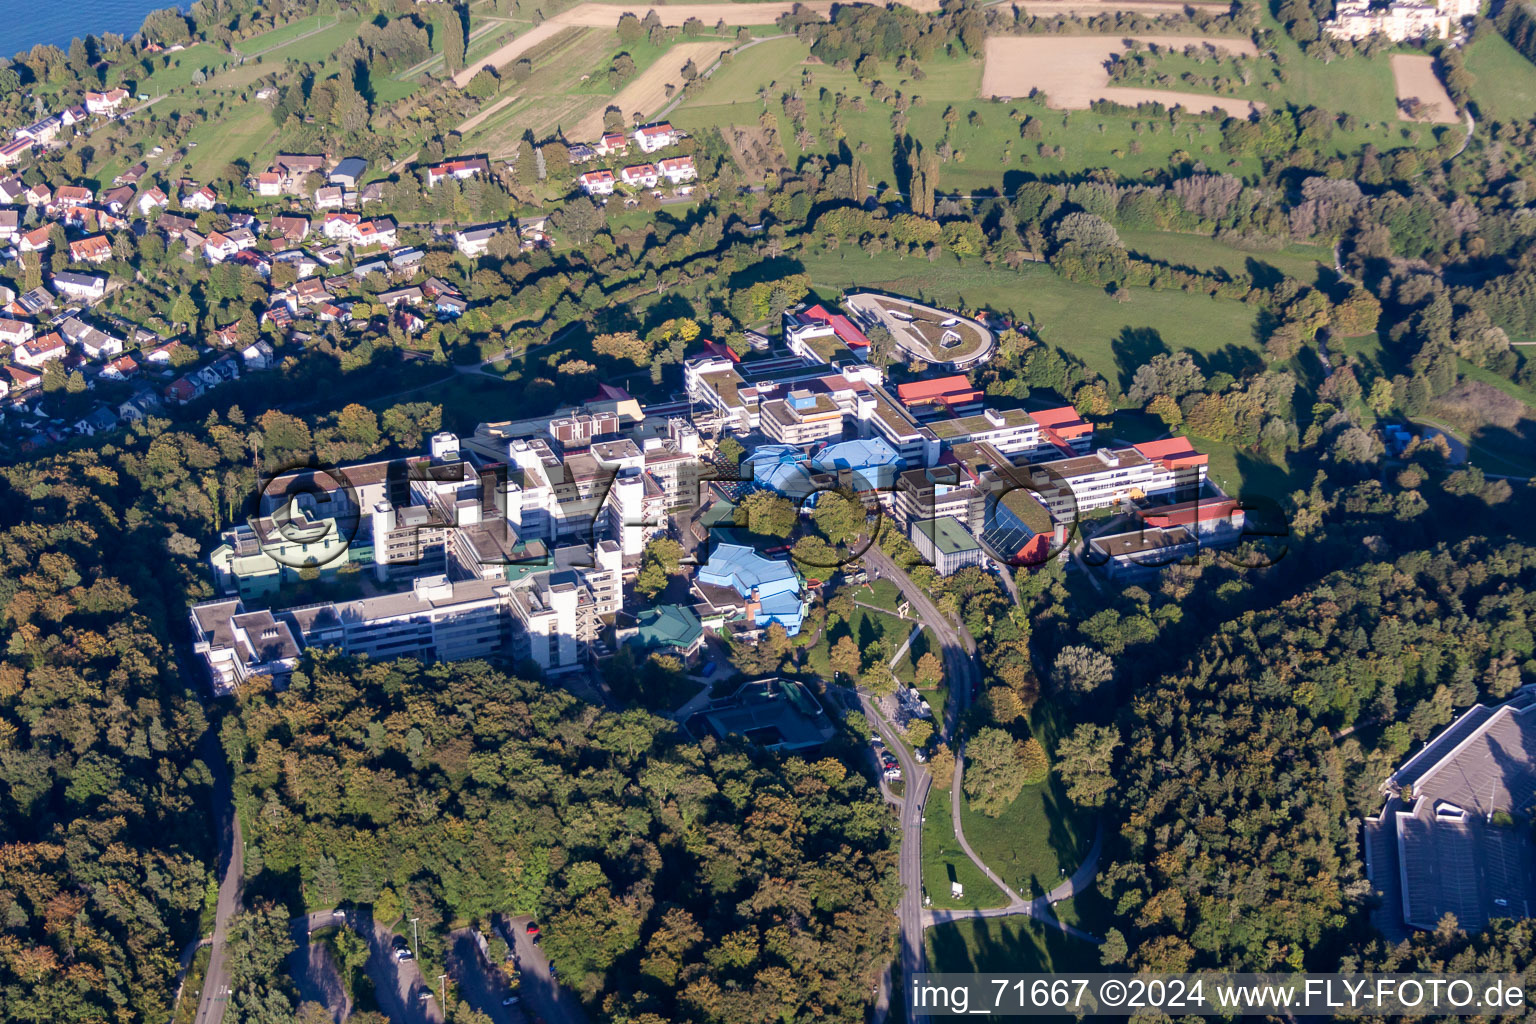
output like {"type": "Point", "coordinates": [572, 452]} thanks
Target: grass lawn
{"type": "Point", "coordinates": [1112, 338]}
{"type": "Point", "coordinates": [245, 131]}
{"type": "Point", "coordinates": [1038, 837]}
{"type": "Point", "coordinates": [867, 628]}
{"type": "Point", "coordinates": [283, 34]}
{"type": "Point", "coordinates": [1299, 261]}
{"type": "Point", "coordinates": [1505, 89]}
{"type": "Point", "coordinates": [1016, 945]}
{"type": "Point", "coordinates": [944, 862]}
{"type": "Point", "coordinates": [319, 47]}
{"type": "Point", "coordinates": [174, 70]}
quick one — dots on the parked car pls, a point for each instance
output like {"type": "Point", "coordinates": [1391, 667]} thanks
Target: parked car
{"type": "Point", "coordinates": [532, 929]}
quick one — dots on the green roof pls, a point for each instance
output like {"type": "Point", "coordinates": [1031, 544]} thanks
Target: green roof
{"type": "Point", "coordinates": [669, 625]}
{"type": "Point", "coordinates": [947, 535]}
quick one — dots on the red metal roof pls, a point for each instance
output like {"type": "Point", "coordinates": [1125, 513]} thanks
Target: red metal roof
{"type": "Point", "coordinates": [939, 387]}
{"type": "Point", "coordinates": [1187, 513]}
{"type": "Point", "coordinates": [841, 326]}
{"type": "Point", "coordinates": [1064, 420]}
{"type": "Point", "coordinates": [1172, 452]}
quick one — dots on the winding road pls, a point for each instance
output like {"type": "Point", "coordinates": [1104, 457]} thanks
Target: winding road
{"type": "Point", "coordinates": [960, 668]}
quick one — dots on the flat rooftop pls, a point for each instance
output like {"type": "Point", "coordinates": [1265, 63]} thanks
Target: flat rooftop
{"type": "Point", "coordinates": [923, 332]}
{"type": "Point", "coordinates": [947, 535]}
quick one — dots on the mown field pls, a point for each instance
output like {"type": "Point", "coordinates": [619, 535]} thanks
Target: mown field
{"type": "Point", "coordinates": [1505, 89]}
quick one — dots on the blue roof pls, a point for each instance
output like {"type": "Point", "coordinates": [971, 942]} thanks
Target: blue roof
{"type": "Point", "coordinates": [744, 570]}
{"type": "Point", "coordinates": [873, 463]}
{"type": "Point", "coordinates": [781, 468]}
{"type": "Point", "coordinates": [787, 470]}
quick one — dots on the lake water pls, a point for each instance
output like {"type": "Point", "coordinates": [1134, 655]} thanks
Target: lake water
{"type": "Point", "coordinates": [25, 23]}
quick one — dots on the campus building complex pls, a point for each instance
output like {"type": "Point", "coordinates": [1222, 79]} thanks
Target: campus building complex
{"type": "Point", "coordinates": [516, 540]}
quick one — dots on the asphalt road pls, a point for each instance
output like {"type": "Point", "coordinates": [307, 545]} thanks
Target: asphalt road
{"type": "Point", "coordinates": [542, 997]}
{"type": "Point", "coordinates": [960, 670]}
{"type": "Point", "coordinates": [215, 996]}
{"type": "Point", "coordinates": [480, 985]}
{"type": "Point", "coordinates": [397, 986]}
{"type": "Point", "coordinates": [314, 972]}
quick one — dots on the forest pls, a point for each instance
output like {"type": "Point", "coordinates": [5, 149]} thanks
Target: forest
{"type": "Point", "coordinates": [674, 879]}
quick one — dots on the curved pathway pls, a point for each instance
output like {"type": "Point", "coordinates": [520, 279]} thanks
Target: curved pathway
{"type": "Point", "coordinates": [959, 654]}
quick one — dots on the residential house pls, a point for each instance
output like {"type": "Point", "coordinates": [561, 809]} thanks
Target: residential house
{"type": "Point", "coordinates": [652, 137]}
{"type": "Point", "coordinates": [258, 356]}
{"type": "Point", "coordinates": [175, 226]}
{"type": "Point", "coordinates": [184, 389]}
{"type": "Point", "coordinates": [204, 199]}
{"type": "Point", "coordinates": [13, 190]}
{"type": "Point", "coordinates": [43, 131]}
{"type": "Point", "coordinates": [101, 420]}
{"type": "Point", "coordinates": [39, 195]}
{"type": "Point", "coordinates": [33, 303]}
{"type": "Point", "coordinates": [10, 220]}
{"type": "Point", "coordinates": [581, 153]}
{"type": "Point", "coordinates": [349, 172]}
{"type": "Point", "coordinates": [87, 287]}
{"type": "Point", "coordinates": [371, 193]}
{"type": "Point", "coordinates": [475, 241]}
{"type": "Point", "coordinates": [160, 354]}
{"type": "Point", "coordinates": [36, 240]}
{"type": "Point", "coordinates": [14, 332]}
{"type": "Point", "coordinates": [411, 295]}
{"type": "Point", "coordinates": [405, 262]}
{"type": "Point", "coordinates": [640, 176]}
{"type": "Point", "coordinates": [44, 348]}
{"type": "Point", "coordinates": [380, 231]}
{"type": "Point", "coordinates": [291, 228]}
{"type": "Point", "coordinates": [330, 312]}
{"type": "Point", "coordinates": [121, 368]}
{"type": "Point", "coordinates": [105, 103]}
{"type": "Point", "coordinates": [678, 169]}
{"type": "Point", "coordinates": [150, 199]}
{"type": "Point", "coordinates": [94, 344]}
{"type": "Point", "coordinates": [269, 183]}
{"type": "Point", "coordinates": [13, 151]}
{"type": "Point", "coordinates": [227, 337]}
{"type": "Point", "coordinates": [612, 144]}
{"type": "Point", "coordinates": [310, 291]}
{"type": "Point", "coordinates": [464, 167]}
{"type": "Point", "coordinates": [73, 195]}
{"type": "Point", "coordinates": [95, 249]}
{"type": "Point", "coordinates": [328, 197]}
{"type": "Point", "coordinates": [340, 226]}
{"type": "Point", "coordinates": [74, 114]}
{"type": "Point", "coordinates": [596, 183]}
{"type": "Point", "coordinates": [533, 232]}
{"type": "Point", "coordinates": [141, 404]}
{"type": "Point", "coordinates": [295, 167]}
{"type": "Point", "coordinates": [219, 247]}
{"type": "Point", "coordinates": [18, 379]}
{"type": "Point", "coordinates": [132, 175]}
{"type": "Point", "coordinates": [119, 198]}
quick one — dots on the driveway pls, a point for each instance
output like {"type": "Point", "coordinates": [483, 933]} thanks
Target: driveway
{"type": "Point", "coordinates": [541, 996]}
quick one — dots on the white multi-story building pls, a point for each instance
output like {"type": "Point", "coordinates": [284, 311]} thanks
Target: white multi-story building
{"type": "Point", "coordinates": [1358, 19]}
{"type": "Point", "coordinates": [1170, 467]}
